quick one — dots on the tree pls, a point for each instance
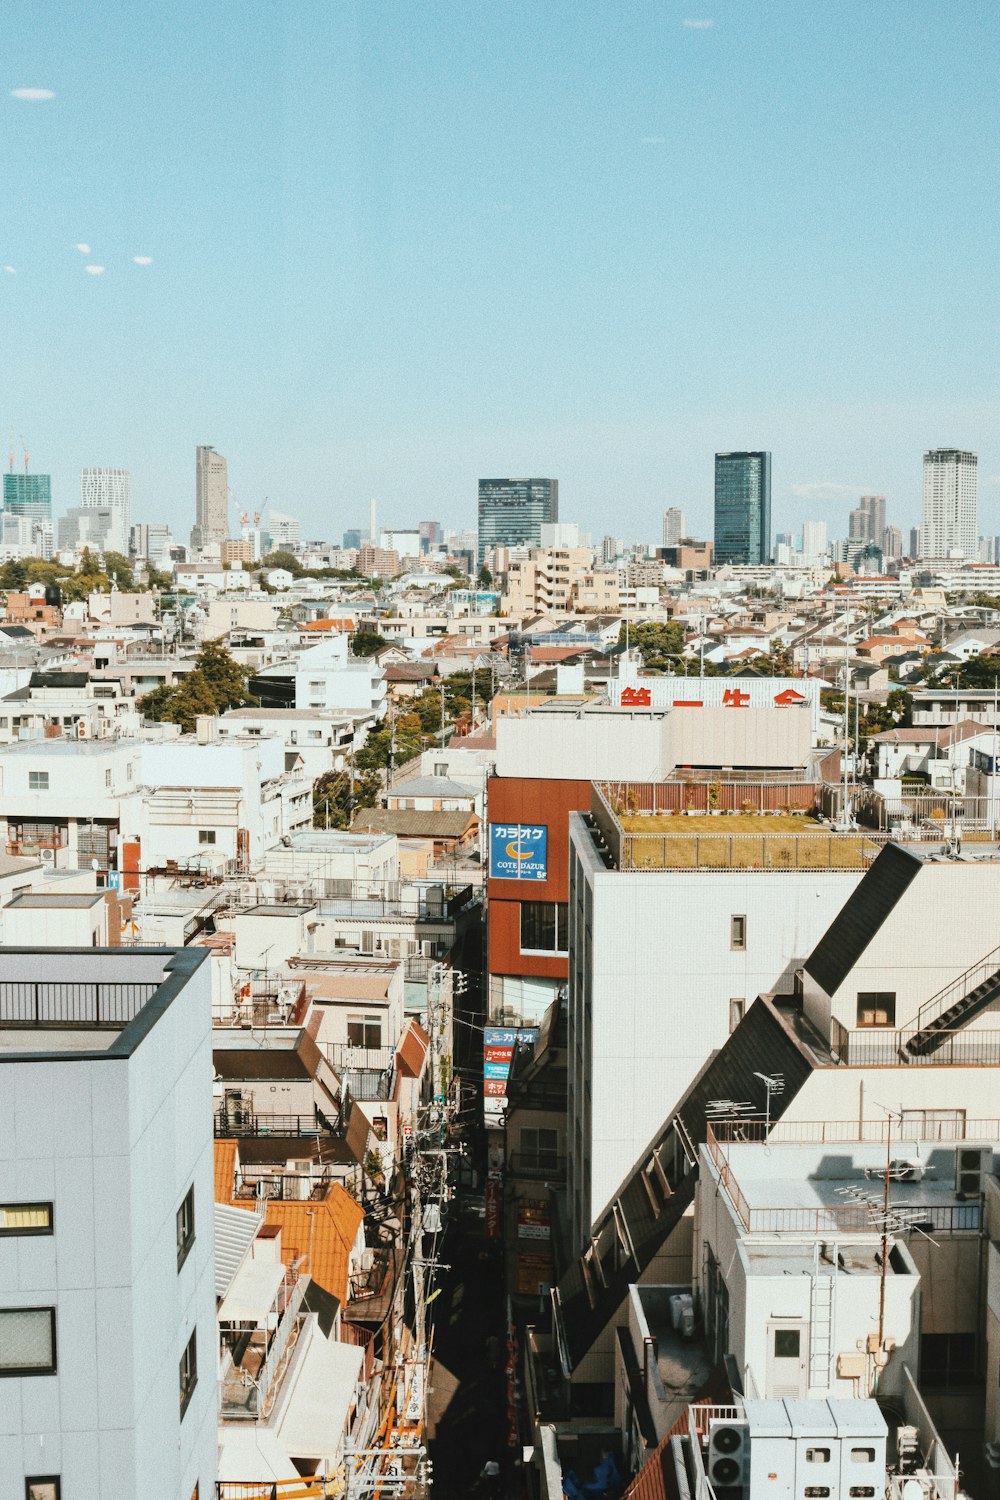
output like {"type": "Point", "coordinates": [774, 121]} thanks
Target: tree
{"type": "Point", "coordinates": [978, 672]}
{"type": "Point", "coordinates": [286, 560]}
{"type": "Point", "coordinates": [658, 644]}
{"type": "Point", "coordinates": [225, 676]}
{"type": "Point", "coordinates": [367, 642]}
{"type": "Point", "coordinates": [333, 804]}
{"type": "Point", "coordinates": [485, 579]}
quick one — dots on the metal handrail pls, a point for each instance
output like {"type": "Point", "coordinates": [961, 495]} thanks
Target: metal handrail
{"type": "Point", "coordinates": [71, 1004]}
{"type": "Point", "coordinates": [967, 982]}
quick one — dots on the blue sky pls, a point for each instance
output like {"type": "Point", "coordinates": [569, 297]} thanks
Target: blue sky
{"type": "Point", "coordinates": [395, 247]}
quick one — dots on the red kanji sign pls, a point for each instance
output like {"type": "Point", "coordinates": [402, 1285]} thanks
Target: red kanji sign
{"type": "Point", "coordinates": [636, 698]}
{"type": "Point", "coordinates": [735, 698]}
{"type": "Point", "coordinates": [789, 696]}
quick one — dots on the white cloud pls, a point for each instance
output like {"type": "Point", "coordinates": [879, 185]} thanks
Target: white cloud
{"type": "Point", "coordinates": [143, 260]}
{"type": "Point", "coordinates": [825, 488]}
{"type": "Point", "coordinates": [654, 140]}
{"type": "Point", "coordinates": [10, 270]}
{"type": "Point", "coordinates": [83, 249]}
{"type": "Point", "coordinates": [94, 270]}
{"type": "Point", "coordinates": [693, 25]}
{"type": "Point", "coordinates": [33, 94]}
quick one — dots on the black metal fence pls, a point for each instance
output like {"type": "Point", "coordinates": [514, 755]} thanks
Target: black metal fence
{"type": "Point", "coordinates": [71, 1004]}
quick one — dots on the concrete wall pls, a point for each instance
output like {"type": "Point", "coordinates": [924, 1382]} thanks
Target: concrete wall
{"type": "Point", "coordinates": [650, 986]}
{"type": "Point", "coordinates": [114, 1144]}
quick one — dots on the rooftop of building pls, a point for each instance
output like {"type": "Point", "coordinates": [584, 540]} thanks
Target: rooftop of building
{"type": "Point", "coordinates": [44, 901]}
{"type": "Point", "coordinates": [809, 1189]}
{"type": "Point", "coordinates": [86, 1002]}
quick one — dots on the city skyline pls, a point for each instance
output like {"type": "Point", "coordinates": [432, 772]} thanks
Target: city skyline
{"type": "Point", "coordinates": [455, 300]}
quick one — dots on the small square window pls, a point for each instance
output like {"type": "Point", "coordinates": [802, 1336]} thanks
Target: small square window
{"type": "Point", "coordinates": [27, 1341]}
{"type": "Point", "coordinates": [738, 934]}
{"type": "Point", "coordinates": [817, 1455]}
{"type": "Point", "coordinates": [185, 1227]}
{"type": "Point", "coordinates": [38, 781]}
{"type": "Point", "coordinates": [25, 1218]}
{"type": "Point", "coordinates": [876, 1008]}
{"type": "Point", "coordinates": [787, 1342]}
{"type": "Point", "coordinates": [42, 1487]}
{"type": "Point", "coordinates": [737, 1010]}
{"type": "Point", "coordinates": [206, 835]}
{"type": "Point", "coordinates": [188, 1372]}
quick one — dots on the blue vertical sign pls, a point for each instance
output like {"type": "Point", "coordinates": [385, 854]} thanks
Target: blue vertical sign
{"type": "Point", "coordinates": [519, 851]}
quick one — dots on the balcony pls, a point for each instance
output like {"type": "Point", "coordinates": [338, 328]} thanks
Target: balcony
{"type": "Point", "coordinates": [538, 1166]}
{"type": "Point", "coordinates": [874, 1047]}
{"type": "Point", "coordinates": [254, 1360]}
{"type": "Point", "coordinates": [71, 1005]}
{"type": "Point", "coordinates": [245, 1124]}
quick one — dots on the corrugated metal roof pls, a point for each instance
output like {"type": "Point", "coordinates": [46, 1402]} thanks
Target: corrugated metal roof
{"type": "Point", "coordinates": [235, 1231]}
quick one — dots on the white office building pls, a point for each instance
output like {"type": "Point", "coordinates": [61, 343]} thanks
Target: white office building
{"type": "Point", "coordinates": [950, 527]}
{"type": "Point", "coordinates": [815, 544]}
{"type": "Point", "coordinates": [674, 526]}
{"type": "Point", "coordinates": [110, 490]}
{"type": "Point", "coordinates": [107, 1280]}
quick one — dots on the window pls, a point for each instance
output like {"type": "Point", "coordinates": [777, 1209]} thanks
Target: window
{"type": "Point", "coordinates": [738, 934]}
{"type": "Point", "coordinates": [786, 1343]}
{"type": "Point", "coordinates": [27, 1340]}
{"type": "Point", "coordinates": [876, 1008]}
{"type": "Point", "coordinates": [737, 1010]}
{"type": "Point", "coordinates": [440, 768]}
{"type": "Point", "coordinates": [38, 781]}
{"type": "Point", "coordinates": [947, 1359]}
{"type": "Point", "coordinates": [185, 1227]}
{"type": "Point", "coordinates": [862, 1455]}
{"type": "Point", "coordinates": [817, 1455]}
{"type": "Point", "coordinates": [189, 1372]}
{"type": "Point", "coordinates": [544, 927]}
{"type": "Point", "coordinates": [107, 776]}
{"type": "Point", "coordinates": [206, 835]}
{"type": "Point", "coordinates": [364, 1031]}
{"type": "Point", "coordinates": [539, 1147]}
{"type": "Point", "coordinates": [42, 1487]}
{"type": "Point", "coordinates": [25, 1218]}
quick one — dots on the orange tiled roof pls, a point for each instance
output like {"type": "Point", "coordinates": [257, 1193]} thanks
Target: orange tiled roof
{"type": "Point", "coordinates": [225, 1171]}
{"type": "Point", "coordinates": [412, 1050]}
{"type": "Point", "coordinates": [330, 1226]}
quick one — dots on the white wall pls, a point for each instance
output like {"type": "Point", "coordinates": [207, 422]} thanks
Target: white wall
{"type": "Point", "coordinates": [114, 1143]}
{"type": "Point", "coordinates": [662, 974]}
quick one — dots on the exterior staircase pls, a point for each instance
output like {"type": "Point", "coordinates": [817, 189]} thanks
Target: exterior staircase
{"type": "Point", "coordinates": [955, 1005]}
{"type": "Point", "coordinates": [652, 1199]}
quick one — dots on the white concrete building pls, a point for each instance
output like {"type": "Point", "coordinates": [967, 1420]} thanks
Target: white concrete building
{"type": "Point", "coordinates": [663, 963]}
{"type": "Point", "coordinates": [324, 738]}
{"type": "Point", "coordinates": [107, 1322]}
{"type": "Point", "coordinates": [110, 490]}
{"type": "Point", "coordinates": [219, 803]}
{"type": "Point", "coordinates": [950, 527]}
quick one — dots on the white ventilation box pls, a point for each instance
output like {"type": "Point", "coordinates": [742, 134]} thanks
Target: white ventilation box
{"type": "Point", "coordinates": [772, 1452]}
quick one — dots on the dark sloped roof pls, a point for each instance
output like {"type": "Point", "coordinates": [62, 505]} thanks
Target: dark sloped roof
{"type": "Point", "coordinates": [410, 824]}
{"type": "Point", "coordinates": [864, 912]}
{"type": "Point", "coordinates": [59, 679]}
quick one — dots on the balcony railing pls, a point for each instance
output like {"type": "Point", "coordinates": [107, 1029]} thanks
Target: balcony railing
{"type": "Point", "coordinates": [71, 1005]}
{"type": "Point", "coordinates": [246, 1396]}
{"type": "Point", "coordinates": [544, 1166]}
{"type": "Point", "coordinates": [880, 1047]}
{"type": "Point", "coordinates": [230, 1125]}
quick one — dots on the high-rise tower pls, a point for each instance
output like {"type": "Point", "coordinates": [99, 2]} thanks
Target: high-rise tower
{"type": "Point", "coordinates": [742, 508]}
{"type": "Point", "coordinates": [950, 526]}
{"type": "Point", "coordinates": [211, 498]}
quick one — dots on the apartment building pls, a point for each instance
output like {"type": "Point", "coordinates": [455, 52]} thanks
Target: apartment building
{"type": "Point", "coordinates": [558, 580]}
{"type": "Point", "coordinates": [324, 738]}
{"type": "Point", "coordinates": [67, 703]}
{"type": "Point", "coordinates": [70, 802]}
{"type": "Point", "coordinates": [219, 803]}
{"type": "Point", "coordinates": [323, 676]}
{"type": "Point", "coordinates": [107, 1329]}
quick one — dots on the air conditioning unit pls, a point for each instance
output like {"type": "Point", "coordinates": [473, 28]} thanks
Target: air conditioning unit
{"type": "Point", "coordinates": [972, 1164]}
{"type": "Point", "coordinates": [904, 1169]}
{"type": "Point", "coordinates": [82, 731]}
{"type": "Point", "coordinates": [728, 1462]}
{"type": "Point", "coordinates": [47, 856]}
{"type": "Point", "coordinates": [682, 1314]}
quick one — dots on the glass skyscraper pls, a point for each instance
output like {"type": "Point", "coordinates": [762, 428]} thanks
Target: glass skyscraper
{"type": "Point", "coordinates": [742, 508]}
{"type": "Point", "coordinates": [512, 512]}
{"type": "Point", "coordinates": [28, 495]}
